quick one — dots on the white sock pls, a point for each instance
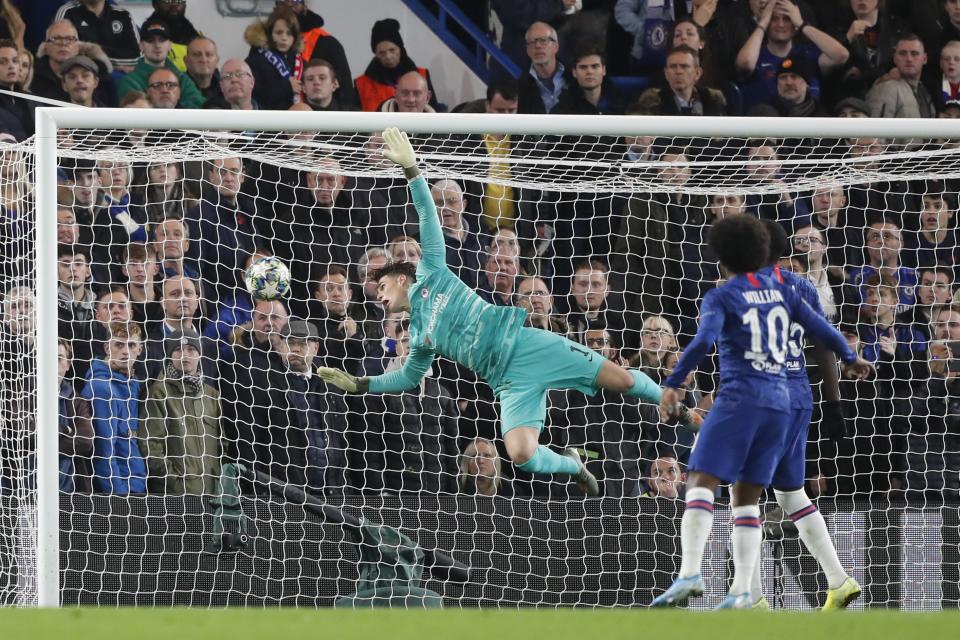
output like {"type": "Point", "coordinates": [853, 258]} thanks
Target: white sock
{"type": "Point", "coordinates": [756, 583]}
{"type": "Point", "coordinates": [813, 532]}
{"type": "Point", "coordinates": [745, 542]}
{"type": "Point", "coordinates": [695, 529]}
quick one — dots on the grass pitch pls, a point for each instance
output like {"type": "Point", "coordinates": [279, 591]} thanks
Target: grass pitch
{"type": "Point", "coordinates": [452, 624]}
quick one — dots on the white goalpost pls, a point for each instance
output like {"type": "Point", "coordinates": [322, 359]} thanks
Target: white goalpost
{"type": "Point", "coordinates": [616, 204]}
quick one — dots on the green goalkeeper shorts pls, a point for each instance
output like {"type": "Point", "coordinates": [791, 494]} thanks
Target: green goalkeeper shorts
{"type": "Point", "coordinates": [542, 361]}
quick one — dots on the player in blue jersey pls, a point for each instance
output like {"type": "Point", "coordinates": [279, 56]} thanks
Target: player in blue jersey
{"type": "Point", "coordinates": [521, 363]}
{"type": "Point", "coordinates": [742, 438]}
{"type": "Point", "coordinates": [789, 476]}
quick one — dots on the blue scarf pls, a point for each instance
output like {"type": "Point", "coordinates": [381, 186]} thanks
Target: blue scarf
{"type": "Point", "coordinates": [277, 61]}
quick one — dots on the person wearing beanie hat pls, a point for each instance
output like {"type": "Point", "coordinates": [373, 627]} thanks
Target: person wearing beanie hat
{"type": "Point", "coordinates": [390, 61]}
{"type": "Point", "coordinates": [794, 98]}
{"type": "Point", "coordinates": [851, 108]}
{"type": "Point", "coordinates": [180, 436]}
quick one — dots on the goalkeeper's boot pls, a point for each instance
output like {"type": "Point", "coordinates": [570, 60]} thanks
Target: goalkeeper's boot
{"type": "Point", "coordinates": [761, 604]}
{"type": "Point", "coordinates": [586, 481]}
{"type": "Point", "coordinates": [679, 592]}
{"type": "Point", "coordinates": [736, 601]}
{"type": "Point", "coordinates": [842, 596]}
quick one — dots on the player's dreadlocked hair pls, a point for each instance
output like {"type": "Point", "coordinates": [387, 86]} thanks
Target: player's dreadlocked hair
{"type": "Point", "coordinates": [779, 241]}
{"type": "Point", "coordinates": [394, 269]}
{"type": "Point", "coordinates": [740, 243]}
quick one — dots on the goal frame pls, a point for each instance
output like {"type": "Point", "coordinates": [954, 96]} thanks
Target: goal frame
{"type": "Point", "coordinates": [49, 120]}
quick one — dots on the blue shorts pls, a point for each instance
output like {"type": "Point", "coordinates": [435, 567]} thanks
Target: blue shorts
{"type": "Point", "coordinates": [791, 471]}
{"type": "Point", "coordinates": [741, 441]}
{"type": "Point", "coordinates": [541, 361]}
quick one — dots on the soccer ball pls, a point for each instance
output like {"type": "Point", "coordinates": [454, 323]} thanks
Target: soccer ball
{"type": "Point", "coordinates": [267, 279]}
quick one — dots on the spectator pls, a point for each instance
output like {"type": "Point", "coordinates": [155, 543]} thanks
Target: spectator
{"type": "Point", "coordinates": [369, 310]}
{"type": "Point", "coordinates": [945, 85]}
{"type": "Point", "coordinates": [155, 47]}
{"type": "Point", "coordinates": [112, 305]}
{"type": "Point", "coordinates": [222, 224]}
{"type": "Point", "coordinates": [320, 87]}
{"type": "Point", "coordinates": [80, 81]}
{"type": "Point", "coordinates": [590, 93]}
{"type": "Point", "coordinates": [341, 342]}
{"type": "Point", "coordinates": [75, 426]}
{"type": "Point", "coordinates": [657, 341]}
{"type": "Point", "coordinates": [934, 290]}
{"type": "Point", "coordinates": [405, 249]}
{"type": "Point", "coordinates": [851, 108]}
{"type": "Point", "coordinates": [936, 241]}
{"type": "Point", "coordinates": [829, 216]}
{"type": "Point", "coordinates": [25, 79]}
{"type": "Point", "coordinates": [682, 95]}
{"type": "Point", "coordinates": [540, 88]}
{"type": "Point", "coordinates": [163, 89]}
{"type": "Point", "coordinates": [172, 238]}
{"type": "Point", "coordinates": [12, 26]}
{"type": "Point", "coordinates": [180, 439]}
{"type": "Point", "coordinates": [463, 246]}
{"type": "Point", "coordinates": [418, 451]}
{"type": "Point", "coordinates": [300, 423]}
{"type": "Point", "coordinates": [202, 62]}
{"type": "Point", "coordinates": [252, 341]}
{"type": "Point", "coordinates": [600, 340]}
{"type": "Point", "coordinates": [794, 98]}
{"type": "Point", "coordinates": [589, 295]}
{"type": "Point", "coordinates": [75, 302]}
{"type": "Point", "coordinates": [647, 24]}
{"type": "Point", "coordinates": [68, 231]}
{"type": "Point", "coordinates": [775, 38]}
{"type": "Point", "coordinates": [946, 323]}
{"type": "Point", "coordinates": [666, 479]}
{"type": "Point", "coordinates": [173, 13]}
{"type": "Point", "coordinates": [882, 336]}
{"type": "Point", "coordinates": [18, 401]}
{"type": "Point", "coordinates": [180, 299]}
{"type": "Point", "coordinates": [390, 62]}
{"type": "Point", "coordinates": [903, 95]}
{"type": "Point", "coordinates": [140, 268]}
{"type": "Point", "coordinates": [533, 294]}
{"type": "Point", "coordinates": [236, 87]}
{"type": "Point", "coordinates": [319, 44]}
{"type": "Point", "coordinates": [159, 189]}
{"type": "Point", "coordinates": [937, 22]}
{"type": "Point", "coordinates": [275, 59]}
{"type": "Point", "coordinates": [63, 43]}
{"type": "Point", "coordinates": [480, 469]}
{"type": "Point", "coordinates": [16, 114]}
{"type": "Point", "coordinates": [114, 394]}
{"type": "Point", "coordinates": [688, 32]}
{"type": "Point", "coordinates": [766, 170]}
{"type": "Point", "coordinates": [116, 224]}
{"type": "Point", "coordinates": [808, 244]}
{"type": "Point", "coordinates": [870, 36]}
{"type": "Point", "coordinates": [103, 23]}
{"type": "Point", "coordinates": [884, 244]}
{"type": "Point", "coordinates": [412, 95]}
{"type": "Point", "coordinates": [501, 266]}
{"type": "Point", "coordinates": [516, 19]}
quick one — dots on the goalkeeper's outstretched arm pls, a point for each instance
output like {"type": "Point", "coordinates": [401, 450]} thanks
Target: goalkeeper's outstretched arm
{"type": "Point", "coordinates": [400, 151]}
{"type": "Point", "coordinates": [415, 367]}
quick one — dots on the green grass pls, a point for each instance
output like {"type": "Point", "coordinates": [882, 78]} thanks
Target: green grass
{"type": "Point", "coordinates": [288, 624]}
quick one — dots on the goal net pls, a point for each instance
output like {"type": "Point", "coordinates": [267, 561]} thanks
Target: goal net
{"type": "Point", "coordinates": [176, 373]}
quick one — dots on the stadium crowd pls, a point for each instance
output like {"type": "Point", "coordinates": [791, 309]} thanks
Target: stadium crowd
{"type": "Point", "coordinates": [168, 367]}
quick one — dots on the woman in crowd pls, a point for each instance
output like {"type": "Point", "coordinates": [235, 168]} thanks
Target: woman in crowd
{"type": "Point", "coordinates": [390, 61]}
{"type": "Point", "coordinates": [159, 190]}
{"type": "Point", "coordinates": [275, 59]}
{"type": "Point", "coordinates": [480, 472]}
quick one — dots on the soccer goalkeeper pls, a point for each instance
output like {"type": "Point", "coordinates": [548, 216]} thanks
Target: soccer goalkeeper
{"type": "Point", "coordinates": [521, 363]}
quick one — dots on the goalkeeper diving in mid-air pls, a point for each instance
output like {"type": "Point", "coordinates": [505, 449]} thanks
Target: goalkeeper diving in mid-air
{"type": "Point", "coordinates": [520, 363]}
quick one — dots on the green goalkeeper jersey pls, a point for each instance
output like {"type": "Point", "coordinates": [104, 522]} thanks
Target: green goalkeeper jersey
{"type": "Point", "coordinates": [447, 317]}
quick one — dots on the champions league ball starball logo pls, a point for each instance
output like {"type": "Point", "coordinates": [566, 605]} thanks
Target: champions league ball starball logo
{"type": "Point", "coordinates": [267, 279]}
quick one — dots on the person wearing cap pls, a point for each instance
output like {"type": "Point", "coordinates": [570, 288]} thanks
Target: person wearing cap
{"type": "Point", "coordinates": [102, 22]}
{"type": "Point", "coordinates": [182, 31]}
{"type": "Point", "coordinates": [155, 47]}
{"type": "Point", "coordinates": [851, 108]}
{"type": "Point", "coordinates": [390, 62]}
{"type": "Point", "coordinates": [320, 44]}
{"type": "Point", "coordinates": [80, 81]}
{"type": "Point", "coordinates": [62, 44]}
{"type": "Point", "coordinates": [298, 422]}
{"type": "Point", "coordinates": [794, 98]}
{"type": "Point", "coordinates": [776, 35]}
{"type": "Point", "coordinates": [180, 437]}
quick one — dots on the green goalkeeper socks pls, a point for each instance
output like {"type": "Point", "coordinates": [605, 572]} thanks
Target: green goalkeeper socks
{"type": "Point", "coordinates": [547, 461]}
{"type": "Point", "coordinates": [644, 388]}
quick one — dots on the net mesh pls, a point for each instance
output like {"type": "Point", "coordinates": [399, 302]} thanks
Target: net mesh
{"type": "Point", "coordinates": [156, 228]}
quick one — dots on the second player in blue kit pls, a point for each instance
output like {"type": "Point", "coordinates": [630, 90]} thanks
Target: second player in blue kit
{"type": "Point", "coordinates": [743, 438]}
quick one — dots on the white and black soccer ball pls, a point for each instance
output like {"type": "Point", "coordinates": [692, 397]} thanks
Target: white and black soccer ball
{"type": "Point", "coordinates": [267, 279]}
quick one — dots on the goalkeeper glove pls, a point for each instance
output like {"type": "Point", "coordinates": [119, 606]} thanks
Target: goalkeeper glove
{"type": "Point", "coordinates": [398, 148]}
{"type": "Point", "coordinates": [343, 380]}
{"type": "Point", "coordinates": [834, 420]}
{"type": "Point", "coordinates": [690, 420]}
